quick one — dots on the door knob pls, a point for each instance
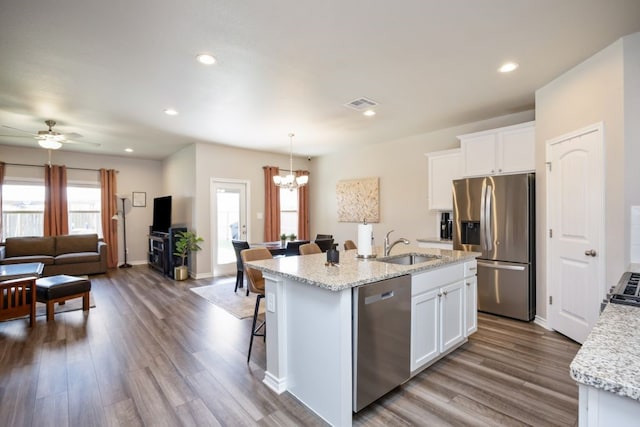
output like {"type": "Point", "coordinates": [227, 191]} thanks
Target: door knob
{"type": "Point", "coordinates": [590, 252]}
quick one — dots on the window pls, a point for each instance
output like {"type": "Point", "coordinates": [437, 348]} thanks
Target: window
{"type": "Point", "coordinates": [288, 211]}
{"type": "Point", "coordinates": [22, 209]}
{"type": "Point", "coordinates": [83, 203]}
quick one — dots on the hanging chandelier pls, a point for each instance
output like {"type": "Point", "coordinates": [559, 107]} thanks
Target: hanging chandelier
{"type": "Point", "coordinates": [290, 181]}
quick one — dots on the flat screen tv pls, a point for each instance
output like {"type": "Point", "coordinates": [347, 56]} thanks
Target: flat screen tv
{"type": "Point", "coordinates": [161, 214]}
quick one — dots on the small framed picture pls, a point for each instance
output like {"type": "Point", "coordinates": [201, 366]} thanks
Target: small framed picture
{"type": "Point", "coordinates": [139, 199]}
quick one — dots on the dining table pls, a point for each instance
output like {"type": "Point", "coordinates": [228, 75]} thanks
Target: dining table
{"type": "Point", "coordinates": [276, 248]}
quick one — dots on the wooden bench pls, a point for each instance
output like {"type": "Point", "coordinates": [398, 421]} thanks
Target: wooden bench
{"type": "Point", "coordinates": [59, 289]}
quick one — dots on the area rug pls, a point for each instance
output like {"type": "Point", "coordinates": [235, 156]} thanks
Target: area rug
{"type": "Point", "coordinates": [237, 303]}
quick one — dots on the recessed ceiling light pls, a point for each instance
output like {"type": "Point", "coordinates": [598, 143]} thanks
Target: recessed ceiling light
{"type": "Point", "coordinates": [170, 112]}
{"type": "Point", "coordinates": [129, 150]}
{"type": "Point", "coordinates": [508, 67]}
{"type": "Point", "coordinates": [369, 113]}
{"type": "Point", "coordinates": [206, 59]}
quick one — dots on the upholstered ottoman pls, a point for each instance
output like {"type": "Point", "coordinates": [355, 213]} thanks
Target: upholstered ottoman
{"type": "Point", "coordinates": [59, 289]}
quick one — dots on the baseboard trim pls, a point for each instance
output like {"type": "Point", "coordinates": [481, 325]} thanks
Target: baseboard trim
{"type": "Point", "coordinates": [541, 321]}
{"type": "Point", "coordinates": [279, 385]}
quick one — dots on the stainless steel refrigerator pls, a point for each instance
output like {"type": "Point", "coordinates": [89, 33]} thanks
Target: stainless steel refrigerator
{"type": "Point", "coordinates": [495, 216]}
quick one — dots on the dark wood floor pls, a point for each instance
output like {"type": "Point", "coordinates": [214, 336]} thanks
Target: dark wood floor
{"type": "Point", "coordinates": [153, 353]}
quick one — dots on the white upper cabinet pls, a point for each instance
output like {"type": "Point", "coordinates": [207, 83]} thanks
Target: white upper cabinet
{"type": "Point", "coordinates": [499, 151]}
{"type": "Point", "coordinates": [444, 167]}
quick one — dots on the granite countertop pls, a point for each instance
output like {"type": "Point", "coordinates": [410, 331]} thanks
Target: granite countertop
{"type": "Point", "coordinates": [610, 357]}
{"type": "Point", "coordinates": [353, 271]}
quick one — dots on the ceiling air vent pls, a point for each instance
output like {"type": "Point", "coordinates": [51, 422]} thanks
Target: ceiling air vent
{"type": "Point", "coordinates": [361, 104]}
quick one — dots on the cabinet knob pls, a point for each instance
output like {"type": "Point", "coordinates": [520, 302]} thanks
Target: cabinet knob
{"type": "Point", "coordinates": [440, 294]}
{"type": "Point", "coordinates": [493, 171]}
{"type": "Point", "coordinates": [467, 283]}
{"type": "Point", "coordinates": [444, 293]}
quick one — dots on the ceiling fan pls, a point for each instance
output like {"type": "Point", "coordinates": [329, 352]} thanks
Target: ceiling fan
{"type": "Point", "coordinates": [51, 139]}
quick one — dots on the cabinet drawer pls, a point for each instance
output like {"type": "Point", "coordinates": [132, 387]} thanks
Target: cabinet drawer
{"type": "Point", "coordinates": [470, 268]}
{"type": "Point", "coordinates": [431, 279]}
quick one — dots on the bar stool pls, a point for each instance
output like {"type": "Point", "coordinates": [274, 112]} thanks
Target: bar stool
{"type": "Point", "coordinates": [349, 244]}
{"type": "Point", "coordinates": [256, 283]}
{"type": "Point", "coordinates": [310, 248]}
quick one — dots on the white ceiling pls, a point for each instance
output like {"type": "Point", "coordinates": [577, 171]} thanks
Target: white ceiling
{"type": "Point", "coordinates": [107, 69]}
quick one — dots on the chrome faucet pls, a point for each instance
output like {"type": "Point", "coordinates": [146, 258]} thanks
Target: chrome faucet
{"type": "Point", "coordinates": [388, 247]}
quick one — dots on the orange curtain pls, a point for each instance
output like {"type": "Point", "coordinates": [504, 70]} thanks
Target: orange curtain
{"type": "Point", "coordinates": [56, 216]}
{"type": "Point", "coordinates": [109, 209]}
{"type": "Point", "coordinates": [271, 205]}
{"type": "Point", "coordinates": [1, 184]}
{"type": "Point", "coordinates": [303, 209]}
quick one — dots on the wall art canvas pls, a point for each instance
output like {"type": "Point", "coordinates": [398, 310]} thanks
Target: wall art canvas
{"type": "Point", "coordinates": [358, 200]}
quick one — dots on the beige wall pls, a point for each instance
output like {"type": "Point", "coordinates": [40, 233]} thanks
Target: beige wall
{"type": "Point", "coordinates": [598, 90]}
{"type": "Point", "coordinates": [134, 175]}
{"type": "Point", "coordinates": [401, 166]}
{"type": "Point", "coordinates": [223, 162]}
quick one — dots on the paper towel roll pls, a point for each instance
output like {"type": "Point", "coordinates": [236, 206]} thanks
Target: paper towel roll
{"type": "Point", "coordinates": [365, 232]}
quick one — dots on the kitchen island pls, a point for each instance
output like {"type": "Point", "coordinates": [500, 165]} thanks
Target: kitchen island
{"type": "Point", "coordinates": [309, 307]}
{"type": "Point", "coordinates": [606, 368]}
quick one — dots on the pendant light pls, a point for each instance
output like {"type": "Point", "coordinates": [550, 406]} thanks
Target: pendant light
{"type": "Point", "coordinates": [290, 181]}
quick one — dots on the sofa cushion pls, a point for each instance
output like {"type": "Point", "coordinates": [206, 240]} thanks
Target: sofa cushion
{"type": "Point", "coordinates": [77, 257]}
{"type": "Point", "coordinates": [76, 243]}
{"type": "Point", "coordinates": [46, 260]}
{"type": "Point", "coordinates": [25, 246]}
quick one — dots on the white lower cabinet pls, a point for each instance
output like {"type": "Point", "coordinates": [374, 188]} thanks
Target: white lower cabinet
{"type": "Point", "coordinates": [440, 314]}
{"type": "Point", "coordinates": [471, 305]}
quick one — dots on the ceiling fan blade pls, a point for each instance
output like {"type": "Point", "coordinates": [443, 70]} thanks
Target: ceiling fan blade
{"type": "Point", "coordinates": [18, 136]}
{"type": "Point", "coordinates": [19, 130]}
{"type": "Point", "coordinates": [70, 141]}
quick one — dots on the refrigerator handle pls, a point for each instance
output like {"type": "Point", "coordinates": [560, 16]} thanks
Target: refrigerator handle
{"type": "Point", "coordinates": [488, 228]}
{"type": "Point", "coordinates": [483, 231]}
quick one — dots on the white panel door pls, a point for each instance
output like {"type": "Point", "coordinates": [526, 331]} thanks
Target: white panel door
{"type": "Point", "coordinates": [576, 218]}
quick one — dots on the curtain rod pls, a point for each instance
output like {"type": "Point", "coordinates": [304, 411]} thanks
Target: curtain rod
{"type": "Point", "coordinates": [41, 166]}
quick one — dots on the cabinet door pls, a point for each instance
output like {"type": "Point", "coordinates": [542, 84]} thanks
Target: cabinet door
{"type": "Point", "coordinates": [451, 315]}
{"type": "Point", "coordinates": [424, 328]}
{"type": "Point", "coordinates": [516, 150]}
{"type": "Point", "coordinates": [479, 154]}
{"type": "Point", "coordinates": [444, 167]}
{"type": "Point", "coordinates": [470, 305]}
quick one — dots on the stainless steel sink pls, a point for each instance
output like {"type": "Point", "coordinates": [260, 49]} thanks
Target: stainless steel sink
{"type": "Point", "coordinates": [409, 259]}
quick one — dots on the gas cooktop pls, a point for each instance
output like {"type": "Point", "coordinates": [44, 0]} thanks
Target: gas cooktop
{"type": "Point", "coordinates": [627, 291]}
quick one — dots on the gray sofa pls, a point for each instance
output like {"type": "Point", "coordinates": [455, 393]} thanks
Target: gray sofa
{"type": "Point", "coordinates": [71, 254]}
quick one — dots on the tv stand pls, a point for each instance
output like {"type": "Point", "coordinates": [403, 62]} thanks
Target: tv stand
{"type": "Point", "coordinates": [158, 256]}
{"type": "Point", "coordinates": [161, 248]}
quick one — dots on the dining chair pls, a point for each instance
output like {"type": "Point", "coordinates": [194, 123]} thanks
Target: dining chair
{"type": "Point", "coordinates": [310, 248]}
{"type": "Point", "coordinates": [324, 244]}
{"type": "Point", "coordinates": [293, 247]}
{"type": "Point", "coordinates": [349, 244]}
{"type": "Point", "coordinates": [324, 236]}
{"type": "Point", "coordinates": [239, 246]}
{"type": "Point", "coordinates": [18, 298]}
{"type": "Point", "coordinates": [255, 281]}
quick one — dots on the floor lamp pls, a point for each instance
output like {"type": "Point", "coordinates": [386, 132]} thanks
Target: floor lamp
{"type": "Point", "coordinates": [125, 264]}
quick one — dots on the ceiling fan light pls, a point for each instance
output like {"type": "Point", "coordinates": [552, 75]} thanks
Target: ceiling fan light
{"type": "Point", "coordinates": [50, 144]}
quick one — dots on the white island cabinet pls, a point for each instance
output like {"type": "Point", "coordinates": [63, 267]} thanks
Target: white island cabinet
{"type": "Point", "coordinates": [309, 306]}
{"type": "Point", "coordinates": [441, 317]}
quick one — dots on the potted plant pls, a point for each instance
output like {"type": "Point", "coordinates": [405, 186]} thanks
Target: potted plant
{"type": "Point", "coordinates": [283, 239]}
{"type": "Point", "coordinates": [292, 237]}
{"type": "Point", "coordinates": [186, 242]}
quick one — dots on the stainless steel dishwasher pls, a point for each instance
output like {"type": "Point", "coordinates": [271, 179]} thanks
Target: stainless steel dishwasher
{"type": "Point", "coordinates": [381, 338]}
